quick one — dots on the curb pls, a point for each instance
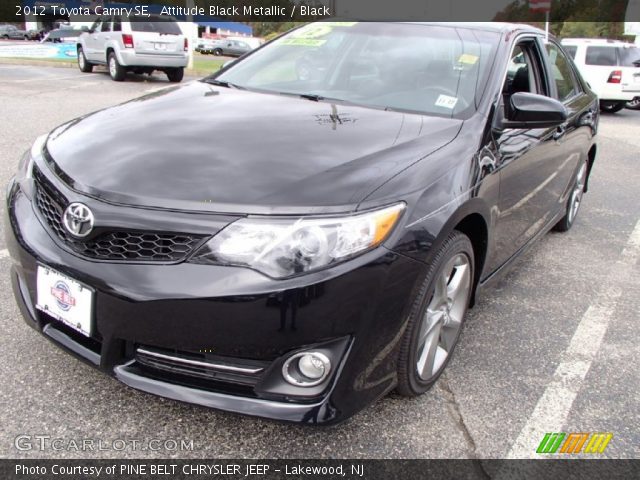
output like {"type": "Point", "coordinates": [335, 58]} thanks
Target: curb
{"type": "Point", "coordinates": [33, 62]}
{"type": "Point", "coordinates": [37, 62]}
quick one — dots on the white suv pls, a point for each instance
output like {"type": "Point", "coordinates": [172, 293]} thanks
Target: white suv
{"type": "Point", "coordinates": [140, 46]}
{"type": "Point", "coordinates": [611, 68]}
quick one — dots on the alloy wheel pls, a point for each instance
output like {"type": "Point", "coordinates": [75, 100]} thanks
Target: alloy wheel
{"type": "Point", "coordinates": [442, 320]}
{"type": "Point", "coordinates": [113, 68]}
{"type": "Point", "coordinates": [578, 191]}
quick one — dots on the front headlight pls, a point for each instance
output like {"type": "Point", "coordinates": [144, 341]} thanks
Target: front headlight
{"type": "Point", "coordinates": [284, 247]}
{"type": "Point", "coordinates": [25, 167]}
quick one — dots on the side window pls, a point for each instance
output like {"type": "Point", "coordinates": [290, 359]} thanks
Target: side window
{"type": "Point", "coordinates": [117, 24]}
{"type": "Point", "coordinates": [562, 73]}
{"type": "Point", "coordinates": [603, 56]}
{"type": "Point", "coordinates": [522, 72]}
{"type": "Point", "coordinates": [106, 25]}
{"type": "Point", "coordinates": [571, 50]}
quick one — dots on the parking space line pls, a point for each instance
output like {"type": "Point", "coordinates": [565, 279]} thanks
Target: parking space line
{"type": "Point", "coordinates": [553, 408]}
{"type": "Point", "coordinates": [49, 79]}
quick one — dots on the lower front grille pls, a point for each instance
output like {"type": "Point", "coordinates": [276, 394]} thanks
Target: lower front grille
{"type": "Point", "coordinates": [203, 366]}
{"type": "Point", "coordinates": [118, 245]}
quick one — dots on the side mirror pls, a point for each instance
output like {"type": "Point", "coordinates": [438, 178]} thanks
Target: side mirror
{"type": "Point", "coordinates": [530, 110]}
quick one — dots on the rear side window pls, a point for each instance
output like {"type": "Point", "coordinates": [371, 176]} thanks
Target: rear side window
{"type": "Point", "coordinates": [155, 25]}
{"type": "Point", "coordinates": [629, 57]}
{"type": "Point", "coordinates": [603, 56]}
{"type": "Point", "coordinates": [117, 24]}
{"type": "Point", "coordinates": [571, 50]}
{"type": "Point", "coordinates": [106, 25]}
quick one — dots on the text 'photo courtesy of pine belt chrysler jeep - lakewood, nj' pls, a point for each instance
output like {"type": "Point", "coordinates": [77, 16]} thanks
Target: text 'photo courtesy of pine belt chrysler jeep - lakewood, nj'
{"type": "Point", "coordinates": [302, 232]}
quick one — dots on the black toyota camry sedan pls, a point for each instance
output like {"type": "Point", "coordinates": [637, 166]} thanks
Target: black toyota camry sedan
{"type": "Point", "coordinates": [303, 231]}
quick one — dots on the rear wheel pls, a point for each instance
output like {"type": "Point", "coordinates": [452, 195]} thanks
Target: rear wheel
{"type": "Point", "coordinates": [575, 199]}
{"type": "Point", "coordinates": [634, 104]}
{"type": "Point", "coordinates": [217, 52]}
{"type": "Point", "coordinates": [437, 316]}
{"type": "Point", "coordinates": [83, 64]}
{"type": "Point", "coordinates": [116, 71]}
{"type": "Point", "coordinates": [612, 107]}
{"type": "Point", "coordinates": [175, 75]}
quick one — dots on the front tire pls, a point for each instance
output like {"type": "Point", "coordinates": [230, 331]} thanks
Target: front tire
{"type": "Point", "coordinates": [83, 63]}
{"type": "Point", "coordinates": [175, 75]}
{"type": "Point", "coordinates": [612, 107]}
{"type": "Point", "coordinates": [575, 200]}
{"type": "Point", "coordinates": [437, 316]}
{"type": "Point", "coordinates": [116, 71]}
{"type": "Point", "coordinates": [217, 52]}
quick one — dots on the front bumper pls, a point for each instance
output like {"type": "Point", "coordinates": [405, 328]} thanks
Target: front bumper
{"type": "Point", "coordinates": [356, 311]}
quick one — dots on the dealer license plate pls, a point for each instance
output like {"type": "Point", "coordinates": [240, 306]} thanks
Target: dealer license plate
{"type": "Point", "coordinates": [65, 299]}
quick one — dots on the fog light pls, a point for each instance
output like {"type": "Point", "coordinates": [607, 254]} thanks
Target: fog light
{"type": "Point", "coordinates": [306, 369]}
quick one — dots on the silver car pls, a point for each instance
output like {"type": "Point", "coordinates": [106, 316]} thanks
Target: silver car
{"type": "Point", "coordinates": [230, 48]}
{"type": "Point", "coordinates": [13, 32]}
{"type": "Point", "coordinates": [139, 46]}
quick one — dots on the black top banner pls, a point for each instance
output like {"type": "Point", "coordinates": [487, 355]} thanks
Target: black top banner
{"type": "Point", "coordinates": [16, 11]}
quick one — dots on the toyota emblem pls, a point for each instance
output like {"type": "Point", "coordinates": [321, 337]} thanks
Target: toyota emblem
{"type": "Point", "coordinates": [78, 220]}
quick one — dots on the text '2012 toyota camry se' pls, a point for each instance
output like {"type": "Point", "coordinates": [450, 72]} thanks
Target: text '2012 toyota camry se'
{"type": "Point", "coordinates": [303, 231]}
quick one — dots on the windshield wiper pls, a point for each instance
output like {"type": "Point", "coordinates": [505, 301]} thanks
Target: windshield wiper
{"type": "Point", "coordinates": [223, 83]}
{"type": "Point", "coordinates": [314, 97]}
{"type": "Point", "coordinates": [311, 96]}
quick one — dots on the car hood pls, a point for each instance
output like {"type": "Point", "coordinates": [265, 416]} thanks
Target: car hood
{"type": "Point", "coordinates": [205, 148]}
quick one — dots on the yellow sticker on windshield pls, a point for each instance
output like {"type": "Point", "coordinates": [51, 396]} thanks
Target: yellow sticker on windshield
{"type": "Point", "coordinates": [303, 42]}
{"type": "Point", "coordinates": [312, 31]}
{"type": "Point", "coordinates": [468, 59]}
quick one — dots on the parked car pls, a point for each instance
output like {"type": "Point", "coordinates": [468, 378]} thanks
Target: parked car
{"type": "Point", "coordinates": [12, 32]}
{"type": "Point", "coordinates": [62, 35]}
{"type": "Point", "coordinates": [611, 68]}
{"type": "Point", "coordinates": [36, 34]}
{"type": "Point", "coordinates": [230, 48]}
{"type": "Point", "coordinates": [141, 45]}
{"type": "Point", "coordinates": [204, 44]}
{"type": "Point", "coordinates": [295, 248]}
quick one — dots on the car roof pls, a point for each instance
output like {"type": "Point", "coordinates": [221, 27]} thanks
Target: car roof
{"type": "Point", "coordinates": [597, 41]}
{"type": "Point", "coordinates": [499, 27]}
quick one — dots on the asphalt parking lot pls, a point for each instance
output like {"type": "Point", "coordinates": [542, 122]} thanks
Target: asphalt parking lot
{"type": "Point", "coordinates": [552, 348]}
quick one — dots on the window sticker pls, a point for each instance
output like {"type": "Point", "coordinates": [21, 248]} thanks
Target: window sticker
{"type": "Point", "coordinates": [445, 101]}
{"type": "Point", "coordinates": [468, 59]}
{"type": "Point", "coordinates": [312, 31]}
{"type": "Point", "coordinates": [303, 42]}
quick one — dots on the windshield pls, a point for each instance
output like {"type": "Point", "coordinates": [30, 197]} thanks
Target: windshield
{"type": "Point", "coordinates": [422, 68]}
